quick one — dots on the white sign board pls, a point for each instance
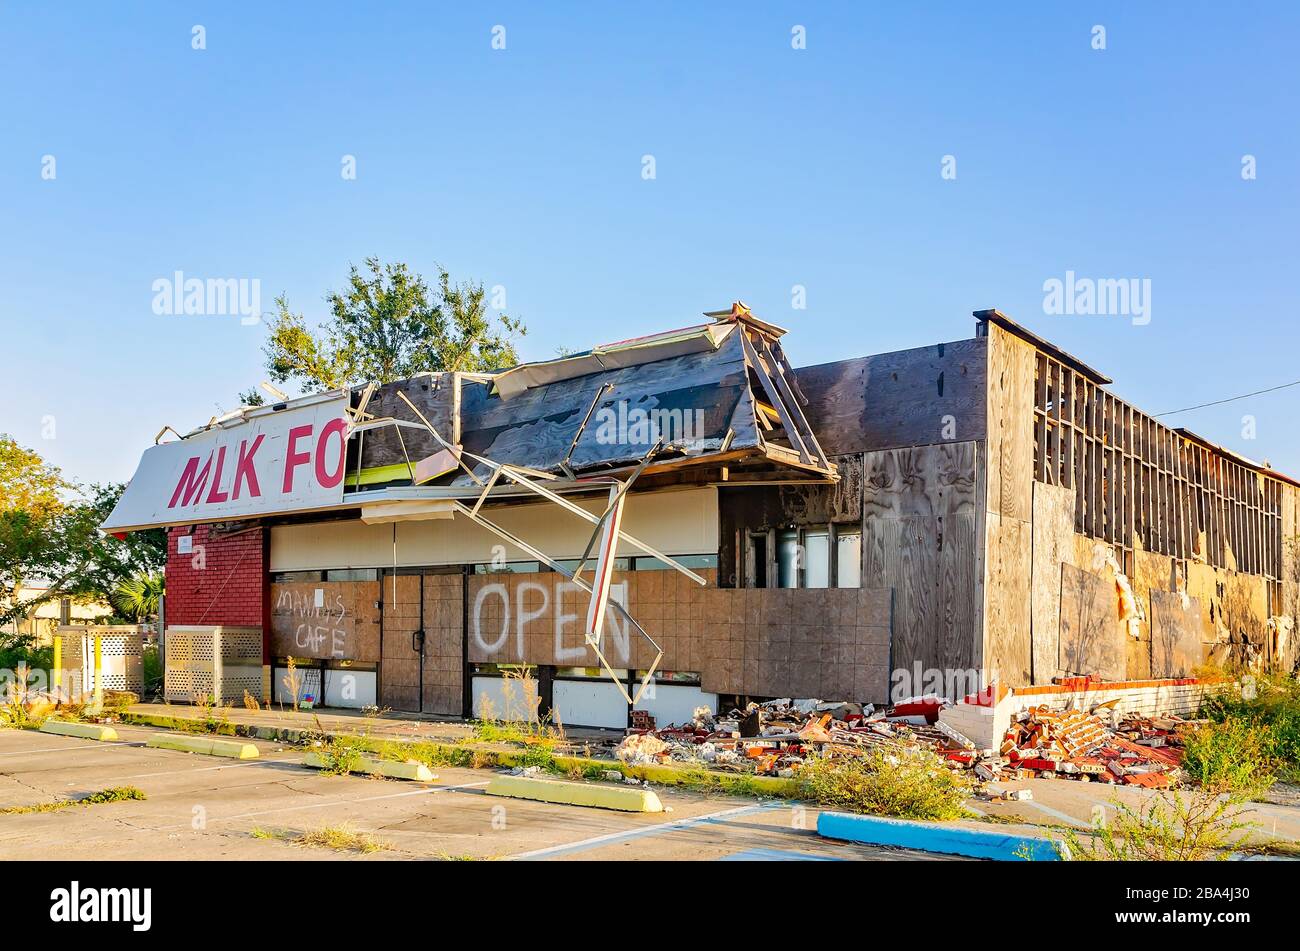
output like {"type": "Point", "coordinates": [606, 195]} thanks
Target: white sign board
{"type": "Point", "coordinates": [270, 462]}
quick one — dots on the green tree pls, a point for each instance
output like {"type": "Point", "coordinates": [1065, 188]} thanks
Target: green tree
{"type": "Point", "coordinates": [111, 560]}
{"type": "Point", "coordinates": [389, 325]}
{"type": "Point", "coordinates": [49, 535]}
{"type": "Point", "coordinates": [138, 596]}
{"type": "Point", "coordinates": [33, 514]}
{"type": "Point", "coordinates": [27, 482]}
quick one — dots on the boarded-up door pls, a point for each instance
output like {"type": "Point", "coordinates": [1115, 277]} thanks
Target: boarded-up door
{"type": "Point", "coordinates": [422, 667]}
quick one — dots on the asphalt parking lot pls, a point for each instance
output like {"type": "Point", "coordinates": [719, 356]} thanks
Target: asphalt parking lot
{"type": "Point", "coordinates": [208, 808]}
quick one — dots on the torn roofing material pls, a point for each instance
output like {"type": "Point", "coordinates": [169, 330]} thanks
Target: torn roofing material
{"type": "Point", "coordinates": [714, 393]}
{"type": "Point", "coordinates": [611, 356]}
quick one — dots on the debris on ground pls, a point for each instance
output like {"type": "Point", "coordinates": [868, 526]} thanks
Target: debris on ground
{"type": "Point", "coordinates": [980, 733]}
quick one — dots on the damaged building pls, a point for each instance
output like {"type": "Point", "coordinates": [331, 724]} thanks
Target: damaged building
{"type": "Point", "coordinates": [685, 519]}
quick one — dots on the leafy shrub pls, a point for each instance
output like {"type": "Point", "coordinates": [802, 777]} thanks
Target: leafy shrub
{"type": "Point", "coordinates": [1271, 704]}
{"type": "Point", "coordinates": [1172, 827]}
{"type": "Point", "coordinates": [912, 784]}
{"type": "Point", "coordinates": [1229, 756]}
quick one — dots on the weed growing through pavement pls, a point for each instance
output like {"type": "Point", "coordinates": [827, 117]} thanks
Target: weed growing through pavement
{"type": "Point", "coordinates": [212, 717]}
{"type": "Point", "coordinates": [339, 838]}
{"type": "Point", "coordinates": [520, 721]}
{"type": "Point", "coordinates": [1175, 826]}
{"type": "Point", "coordinates": [341, 755]}
{"type": "Point", "coordinates": [112, 794]}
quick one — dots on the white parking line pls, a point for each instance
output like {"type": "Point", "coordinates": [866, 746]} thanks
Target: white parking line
{"type": "Point", "coordinates": [209, 769]}
{"type": "Point", "coordinates": [664, 827]}
{"type": "Point", "coordinates": [79, 748]}
{"type": "Point", "coordinates": [1056, 814]}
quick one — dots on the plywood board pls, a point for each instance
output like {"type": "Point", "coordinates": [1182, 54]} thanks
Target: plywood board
{"type": "Point", "coordinates": [1010, 425]}
{"type": "Point", "coordinates": [1008, 645]}
{"type": "Point", "coordinates": [928, 481]}
{"type": "Point", "coordinates": [323, 620]}
{"type": "Point", "coordinates": [1092, 639]}
{"type": "Point", "coordinates": [906, 398]}
{"type": "Point", "coordinates": [1053, 540]}
{"type": "Point", "coordinates": [1176, 634]}
{"type": "Point", "coordinates": [920, 539]}
{"type": "Point", "coordinates": [748, 641]}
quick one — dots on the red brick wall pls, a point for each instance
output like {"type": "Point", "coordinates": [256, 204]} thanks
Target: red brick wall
{"type": "Point", "coordinates": [222, 581]}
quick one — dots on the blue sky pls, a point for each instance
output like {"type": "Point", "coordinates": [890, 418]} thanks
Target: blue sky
{"type": "Point", "coordinates": [522, 167]}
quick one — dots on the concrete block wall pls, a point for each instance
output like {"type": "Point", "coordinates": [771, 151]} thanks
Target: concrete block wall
{"type": "Point", "coordinates": [1143, 697]}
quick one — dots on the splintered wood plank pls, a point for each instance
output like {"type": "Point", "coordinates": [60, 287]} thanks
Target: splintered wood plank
{"type": "Point", "coordinates": [1053, 539]}
{"type": "Point", "coordinates": [793, 404]}
{"type": "Point", "coordinates": [1177, 632]}
{"type": "Point", "coordinates": [774, 397]}
{"type": "Point", "coordinates": [1092, 639]}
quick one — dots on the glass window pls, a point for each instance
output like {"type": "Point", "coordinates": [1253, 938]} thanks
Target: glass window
{"type": "Point", "coordinates": [571, 564]}
{"type": "Point", "coordinates": [499, 670]}
{"type": "Point", "coordinates": [688, 561]}
{"type": "Point", "coordinates": [687, 677]}
{"type": "Point", "coordinates": [352, 574]}
{"type": "Point", "coordinates": [289, 577]}
{"type": "Point", "coordinates": [510, 567]}
{"type": "Point", "coordinates": [848, 560]}
{"type": "Point", "coordinates": [758, 564]}
{"type": "Point", "coordinates": [817, 559]}
{"type": "Point", "coordinates": [787, 559]}
{"type": "Point", "coordinates": [589, 673]}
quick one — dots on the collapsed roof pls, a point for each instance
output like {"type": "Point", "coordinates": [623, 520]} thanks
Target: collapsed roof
{"type": "Point", "coordinates": [718, 399]}
{"type": "Point", "coordinates": [714, 394]}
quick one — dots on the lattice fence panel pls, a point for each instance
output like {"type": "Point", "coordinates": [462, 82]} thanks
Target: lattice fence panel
{"type": "Point", "coordinates": [216, 662]}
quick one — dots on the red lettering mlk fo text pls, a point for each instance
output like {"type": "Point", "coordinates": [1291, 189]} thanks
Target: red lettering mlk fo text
{"type": "Point", "coordinates": [216, 495]}
{"type": "Point", "coordinates": [328, 480]}
{"type": "Point", "coordinates": [292, 458]}
{"type": "Point", "coordinates": [192, 482]}
{"type": "Point", "coordinates": [245, 470]}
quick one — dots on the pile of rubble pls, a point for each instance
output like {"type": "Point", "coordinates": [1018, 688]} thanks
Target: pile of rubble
{"type": "Point", "coordinates": [1138, 751]}
{"type": "Point", "coordinates": [774, 738]}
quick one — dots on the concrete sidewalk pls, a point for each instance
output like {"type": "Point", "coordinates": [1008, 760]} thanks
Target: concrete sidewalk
{"type": "Point", "coordinates": [390, 726]}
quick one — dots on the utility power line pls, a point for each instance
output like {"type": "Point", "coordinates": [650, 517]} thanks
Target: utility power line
{"type": "Point", "coordinates": [1230, 399]}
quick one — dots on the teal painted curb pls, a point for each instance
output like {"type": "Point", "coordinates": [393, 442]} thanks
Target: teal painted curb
{"type": "Point", "coordinates": [932, 837]}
